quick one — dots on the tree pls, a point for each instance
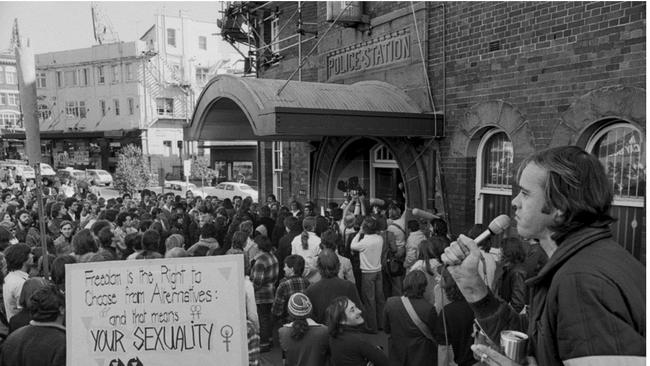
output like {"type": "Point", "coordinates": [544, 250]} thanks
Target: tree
{"type": "Point", "coordinates": [133, 172]}
{"type": "Point", "coordinates": [201, 169]}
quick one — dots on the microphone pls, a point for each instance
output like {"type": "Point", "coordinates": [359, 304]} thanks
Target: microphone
{"type": "Point", "coordinates": [496, 227]}
{"type": "Point", "coordinates": [424, 214]}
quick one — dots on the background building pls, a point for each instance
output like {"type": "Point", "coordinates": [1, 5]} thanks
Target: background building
{"type": "Point", "coordinates": [10, 115]}
{"type": "Point", "coordinates": [507, 79]}
{"type": "Point", "coordinates": [93, 101]}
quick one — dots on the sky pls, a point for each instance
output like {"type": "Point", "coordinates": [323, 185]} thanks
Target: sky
{"type": "Point", "coordinates": [63, 25]}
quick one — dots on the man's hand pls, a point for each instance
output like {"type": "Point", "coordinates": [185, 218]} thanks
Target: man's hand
{"type": "Point", "coordinates": [462, 258]}
{"type": "Point", "coordinates": [490, 357]}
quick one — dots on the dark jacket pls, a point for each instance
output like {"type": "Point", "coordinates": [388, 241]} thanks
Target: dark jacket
{"type": "Point", "coordinates": [37, 344]}
{"type": "Point", "coordinates": [407, 345]}
{"type": "Point", "coordinates": [350, 349]}
{"type": "Point", "coordinates": [588, 300]}
{"type": "Point", "coordinates": [509, 284]}
{"type": "Point", "coordinates": [324, 291]}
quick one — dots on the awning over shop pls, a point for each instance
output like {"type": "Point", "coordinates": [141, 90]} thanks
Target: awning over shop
{"type": "Point", "coordinates": [234, 108]}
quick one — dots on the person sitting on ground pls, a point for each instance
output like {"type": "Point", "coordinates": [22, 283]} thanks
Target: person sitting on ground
{"type": "Point", "coordinates": [43, 341]}
{"type": "Point", "coordinates": [304, 342]}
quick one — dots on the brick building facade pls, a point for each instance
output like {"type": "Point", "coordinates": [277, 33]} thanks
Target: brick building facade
{"type": "Point", "coordinates": [509, 78]}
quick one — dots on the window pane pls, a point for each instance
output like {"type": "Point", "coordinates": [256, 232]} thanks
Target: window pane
{"type": "Point", "coordinates": [621, 151]}
{"type": "Point", "coordinates": [497, 162]}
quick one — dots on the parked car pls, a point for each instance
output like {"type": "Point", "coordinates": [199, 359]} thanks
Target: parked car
{"type": "Point", "coordinates": [47, 171]}
{"type": "Point", "coordinates": [99, 176]}
{"type": "Point", "coordinates": [70, 172]}
{"type": "Point", "coordinates": [18, 169]}
{"type": "Point", "coordinates": [231, 189]}
{"type": "Point", "coordinates": [180, 188]}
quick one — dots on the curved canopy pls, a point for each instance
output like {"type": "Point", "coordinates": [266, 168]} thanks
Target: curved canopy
{"type": "Point", "coordinates": [235, 108]}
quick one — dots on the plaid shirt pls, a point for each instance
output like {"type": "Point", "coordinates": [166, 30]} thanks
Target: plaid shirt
{"type": "Point", "coordinates": [288, 286]}
{"type": "Point", "coordinates": [263, 275]}
{"type": "Point", "coordinates": [253, 345]}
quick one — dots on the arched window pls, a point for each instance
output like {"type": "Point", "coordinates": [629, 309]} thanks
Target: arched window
{"type": "Point", "coordinates": [494, 176]}
{"type": "Point", "coordinates": [620, 147]}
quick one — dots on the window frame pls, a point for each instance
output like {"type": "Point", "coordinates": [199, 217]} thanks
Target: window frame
{"type": "Point", "coordinates": [131, 105]}
{"type": "Point", "coordinates": [275, 35]}
{"type": "Point", "coordinates": [101, 75]}
{"type": "Point", "coordinates": [203, 43]}
{"type": "Point", "coordinates": [165, 111]}
{"type": "Point", "coordinates": [116, 74]}
{"type": "Point", "coordinates": [480, 188]}
{"type": "Point", "coordinates": [41, 80]}
{"type": "Point", "coordinates": [171, 37]}
{"type": "Point", "coordinates": [11, 76]}
{"type": "Point", "coordinates": [102, 107]}
{"type": "Point", "coordinates": [591, 144]}
{"type": "Point", "coordinates": [116, 106]}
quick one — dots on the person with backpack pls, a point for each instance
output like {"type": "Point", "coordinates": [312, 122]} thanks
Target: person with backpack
{"type": "Point", "coordinates": [394, 274]}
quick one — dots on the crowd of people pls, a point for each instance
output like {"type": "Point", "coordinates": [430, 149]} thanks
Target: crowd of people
{"type": "Point", "coordinates": [317, 280]}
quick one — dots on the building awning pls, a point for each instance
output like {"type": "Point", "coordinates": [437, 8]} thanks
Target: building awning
{"type": "Point", "coordinates": [235, 108]}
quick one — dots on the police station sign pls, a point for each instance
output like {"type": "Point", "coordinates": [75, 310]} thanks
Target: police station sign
{"type": "Point", "coordinates": [156, 312]}
{"type": "Point", "coordinates": [386, 50]}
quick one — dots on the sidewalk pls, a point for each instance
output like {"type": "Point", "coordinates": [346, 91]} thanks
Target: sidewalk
{"type": "Point", "coordinates": [274, 357]}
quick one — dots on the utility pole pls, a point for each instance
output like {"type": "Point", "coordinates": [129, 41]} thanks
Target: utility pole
{"type": "Point", "coordinates": [27, 85]}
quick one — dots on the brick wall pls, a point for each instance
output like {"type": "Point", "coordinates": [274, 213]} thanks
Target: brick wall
{"type": "Point", "coordinates": [538, 56]}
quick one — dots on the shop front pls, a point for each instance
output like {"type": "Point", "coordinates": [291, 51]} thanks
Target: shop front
{"type": "Point", "coordinates": [81, 150]}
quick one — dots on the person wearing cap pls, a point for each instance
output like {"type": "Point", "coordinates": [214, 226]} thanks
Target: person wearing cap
{"type": "Point", "coordinates": [304, 342]}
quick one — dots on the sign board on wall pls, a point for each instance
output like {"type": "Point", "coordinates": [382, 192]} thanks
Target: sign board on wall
{"type": "Point", "coordinates": [177, 311]}
{"type": "Point", "coordinates": [379, 52]}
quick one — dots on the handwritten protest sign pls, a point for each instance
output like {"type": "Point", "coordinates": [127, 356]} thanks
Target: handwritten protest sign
{"type": "Point", "coordinates": [177, 311]}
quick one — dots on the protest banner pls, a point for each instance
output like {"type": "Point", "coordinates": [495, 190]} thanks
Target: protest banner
{"type": "Point", "coordinates": [175, 311]}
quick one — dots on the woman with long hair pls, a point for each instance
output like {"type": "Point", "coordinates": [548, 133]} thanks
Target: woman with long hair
{"type": "Point", "coordinates": [429, 252]}
{"type": "Point", "coordinates": [304, 342]}
{"type": "Point", "coordinates": [307, 245]}
{"type": "Point", "coordinates": [509, 277]}
{"type": "Point", "coordinates": [346, 336]}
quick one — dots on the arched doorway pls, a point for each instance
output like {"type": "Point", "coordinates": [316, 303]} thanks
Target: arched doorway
{"type": "Point", "coordinates": [620, 147]}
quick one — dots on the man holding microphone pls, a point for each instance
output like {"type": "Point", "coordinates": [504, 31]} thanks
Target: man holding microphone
{"type": "Point", "coordinates": [587, 304]}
